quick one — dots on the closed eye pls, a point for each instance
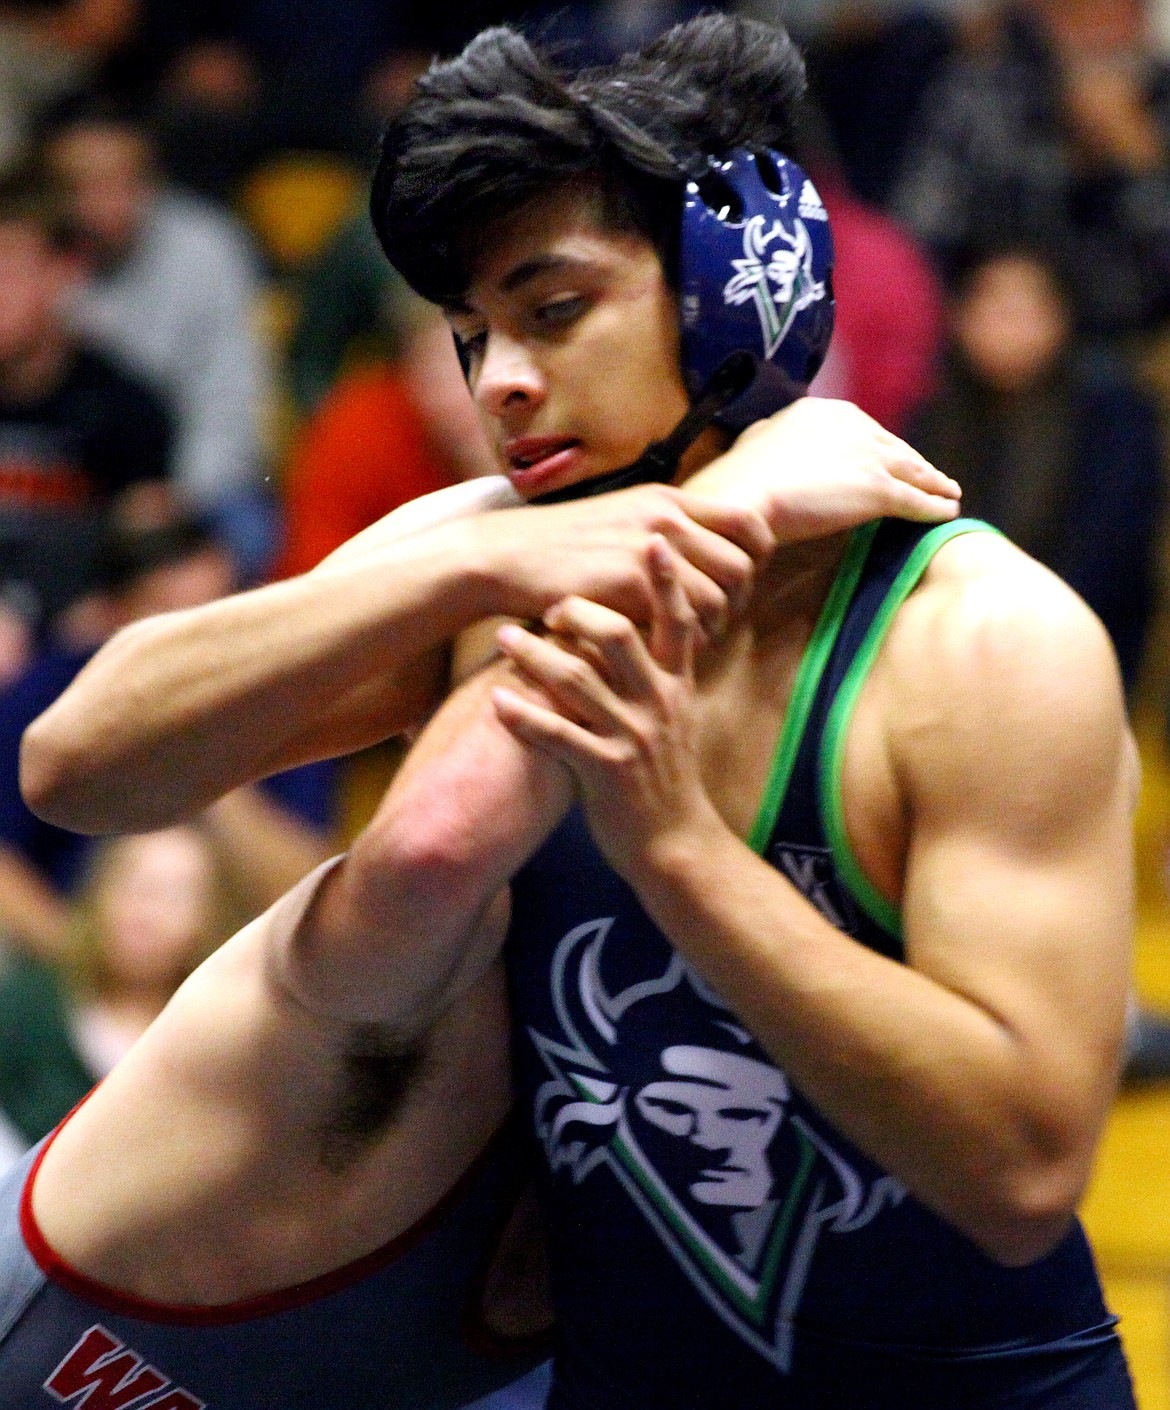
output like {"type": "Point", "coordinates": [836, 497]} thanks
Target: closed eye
{"type": "Point", "coordinates": [559, 313]}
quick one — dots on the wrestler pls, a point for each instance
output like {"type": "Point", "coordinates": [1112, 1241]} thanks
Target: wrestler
{"type": "Point", "coordinates": [292, 1190]}
{"type": "Point", "coordinates": [817, 934]}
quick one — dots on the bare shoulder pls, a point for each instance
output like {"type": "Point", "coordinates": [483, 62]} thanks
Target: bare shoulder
{"type": "Point", "coordinates": [999, 677]}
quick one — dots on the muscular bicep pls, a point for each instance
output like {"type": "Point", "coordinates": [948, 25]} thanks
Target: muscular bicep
{"type": "Point", "coordinates": [1039, 938]}
{"type": "Point", "coordinates": [1018, 887]}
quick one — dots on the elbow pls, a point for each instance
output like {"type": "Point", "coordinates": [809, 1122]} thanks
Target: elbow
{"type": "Point", "coordinates": [423, 860]}
{"type": "Point", "coordinates": [51, 775]}
{"type": "Point", "coordinates": [1030, 1214]}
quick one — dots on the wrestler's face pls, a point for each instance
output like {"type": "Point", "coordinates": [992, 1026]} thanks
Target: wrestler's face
{"type": "Point", "coordinates": [571, 330]}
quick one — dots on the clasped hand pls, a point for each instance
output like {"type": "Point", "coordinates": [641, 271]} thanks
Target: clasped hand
{"type": "Point", "coordinates": [618, 709]}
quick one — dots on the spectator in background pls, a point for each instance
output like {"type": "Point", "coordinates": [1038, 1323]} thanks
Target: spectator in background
{"type": "Point", "coordinates": [889, 320]}
{"type": "Point", "coordinates": [151, 908]}
{"type": "Point", "coordinates": [1053, 125]}
{"type": "Point", "coordinates": [279, 828]}
{"type": "Point", "coordinates": [48, 49]}
{"type": "Point", "coordinates": [362, 453]}
{"type": "Point", "coordinates": [172, 292]}
{"type": "Point", "coordinates": [351, 302]}
{"type": "Point", "coordinates": [390, 414]}
{"type": "Point", "coordinates": [78, 436]}
{"type": "Point", "coordinates": [870, 61]}
{"type": "Point", "coordinates": [234, 82]}
{"type": "Point", "coordinates": [389, 431]}
{"type": "Point", "coordinates": [1053, 440]}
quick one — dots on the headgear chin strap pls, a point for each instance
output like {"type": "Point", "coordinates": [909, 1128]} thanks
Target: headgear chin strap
{"type": "Point", "coordinates": [658, 463]}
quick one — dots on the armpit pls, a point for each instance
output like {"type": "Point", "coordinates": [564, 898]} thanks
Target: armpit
{"type": "Point", "coordinates": [376, 1073]}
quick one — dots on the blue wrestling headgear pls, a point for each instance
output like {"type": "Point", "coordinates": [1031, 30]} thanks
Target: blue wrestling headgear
{"type": "Point", "coordinates": [755, 304]}
{"type": "Point", "coordinates": [755, 275]}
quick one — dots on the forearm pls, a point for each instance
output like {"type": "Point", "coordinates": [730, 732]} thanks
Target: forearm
{"type": "Point", "coordinates": [969, 1110]}
{"type": "Point", "coordinates": [417, 910]}
{"type": "Point", "coordinates": [178, 709]}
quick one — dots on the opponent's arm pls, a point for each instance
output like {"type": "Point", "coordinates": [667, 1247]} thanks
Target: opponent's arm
{"type": "Point", "coordinates": [177, 710]}
{"type": "Point", "coordinates": [979, 1072]}
{"type": "Point", "coordinates": [821, 465]}
{"type": "Point", "coordinates": [417, 910]}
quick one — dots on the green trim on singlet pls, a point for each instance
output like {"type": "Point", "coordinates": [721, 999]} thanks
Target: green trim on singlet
{"type": "Point", "coordinates": [808, 678]}
{"type": "Point", "coordinates": [880, 910]}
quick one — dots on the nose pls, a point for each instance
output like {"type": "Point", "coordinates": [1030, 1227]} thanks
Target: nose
{"type": "Point", "coordinates": [709, 1132]}
{"type": "Point", "coordinates": [507, 379]}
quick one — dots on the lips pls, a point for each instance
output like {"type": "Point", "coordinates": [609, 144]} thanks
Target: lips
{"type": "Point", "coordinates": [528, 451]}
{"type": "Point", "coordinates": [535, 461]}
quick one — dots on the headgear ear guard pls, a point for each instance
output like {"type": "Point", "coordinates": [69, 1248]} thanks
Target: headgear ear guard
{"type": "Point", "coordinates": [755, 274]}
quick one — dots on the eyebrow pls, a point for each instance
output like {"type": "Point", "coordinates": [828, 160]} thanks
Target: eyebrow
{"type": "Point", "coordinates": [523, 273]}
{"type": "Point", "coordinates": [528, 270]}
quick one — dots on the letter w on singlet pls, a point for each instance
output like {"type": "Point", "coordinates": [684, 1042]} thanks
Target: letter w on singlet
{"type": "Point", "coordinates": [100, 1373]}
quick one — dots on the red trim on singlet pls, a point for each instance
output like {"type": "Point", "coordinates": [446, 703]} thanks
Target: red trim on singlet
{"type": "Point", "coordinates": [109, 1299]}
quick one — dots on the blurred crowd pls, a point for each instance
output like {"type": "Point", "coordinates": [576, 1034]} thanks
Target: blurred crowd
{"type": "Point", "coordinates": [210, 377]}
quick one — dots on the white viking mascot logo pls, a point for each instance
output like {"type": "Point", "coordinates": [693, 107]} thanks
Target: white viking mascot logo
{"type": "Point", "coordinates": [661, 1085]}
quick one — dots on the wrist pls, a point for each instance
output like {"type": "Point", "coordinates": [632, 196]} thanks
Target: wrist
{"type": "Point", "coordinates": [670, 862]}
{"type": "Point", "coordinates": [492, 574]}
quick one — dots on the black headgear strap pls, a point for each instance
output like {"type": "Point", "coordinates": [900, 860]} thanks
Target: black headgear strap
{"type": "Point", "coordinates": [658, 463]}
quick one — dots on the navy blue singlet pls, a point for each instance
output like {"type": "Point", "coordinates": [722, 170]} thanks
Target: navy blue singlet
{"type": "Point", "coordinates": [715, 1241]}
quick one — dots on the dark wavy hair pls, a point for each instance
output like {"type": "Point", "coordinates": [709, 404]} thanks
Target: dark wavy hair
{"type": "Point", "coordinates": [499, 126]}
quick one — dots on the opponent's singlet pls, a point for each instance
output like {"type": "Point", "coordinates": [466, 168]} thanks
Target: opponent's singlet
{"type": "Point", "coordinates": [716, 1242]}
{"type": "Point", "coordinates": [397, 1330]}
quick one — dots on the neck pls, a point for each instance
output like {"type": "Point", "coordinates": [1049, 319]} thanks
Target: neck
{"type": "Point", "coordinates": [708, 446]}
{"type": "Point", "coordinates": [795, 582]}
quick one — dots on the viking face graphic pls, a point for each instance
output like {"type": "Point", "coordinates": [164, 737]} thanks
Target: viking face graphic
{"type": "Point", "coordinates": [776, 274]}
{"type": "Point", "coordinates": [727, 1108]}
{"type": "Point", "coordinates": [662, 1086]}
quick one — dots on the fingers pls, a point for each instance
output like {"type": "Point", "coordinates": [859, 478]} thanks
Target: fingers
{"type": "Point", "coordinates": [611, 640]}
{"type": "Point", "coordinates": [909, 491]}
{"type": "Point", "coordinates": [570, 682]}
{"type": "Point", "coordinates": [542, 728]}
{"type": "Point", "coordinates": [745, 528]}
{"type": "Point", "coordinates": [902, 461]}
{"type": "Point", "coordinates": [601, 654]}
{"type": "Point", "coordinates": [712, 604]}
{"type": "Point", "coordinates": [699, 539]}
{"type": "Point", "coordinates": [674, 627]}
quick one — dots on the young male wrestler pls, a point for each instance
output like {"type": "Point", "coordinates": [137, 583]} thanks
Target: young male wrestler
{"type": "Point", "coordinates": [244, 1213]}
{"type": "Point", "coordinates": [817, 997]}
